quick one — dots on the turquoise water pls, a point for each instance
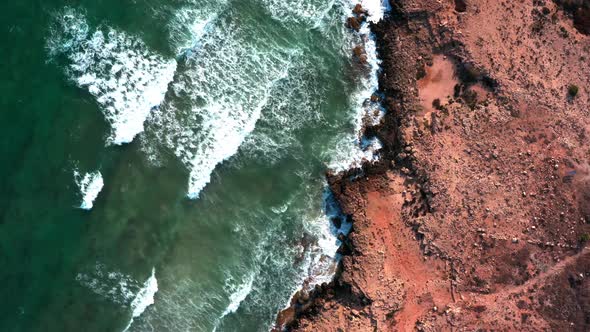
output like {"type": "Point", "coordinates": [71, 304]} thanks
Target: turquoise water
{"type": "Point", "coordinates": [210, 124]}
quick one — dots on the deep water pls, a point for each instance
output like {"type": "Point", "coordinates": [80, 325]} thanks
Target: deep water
{"type": "Point", "coordinates": [163, 161]}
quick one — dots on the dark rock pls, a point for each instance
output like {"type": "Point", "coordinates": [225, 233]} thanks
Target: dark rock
{"type": "Point", "coordinates": [359, 53]}
{"type": "Point", "coordinates": [337, 222]}
{"type": "Point", "coordinates": [436, 104]}
{"type": "Point", "coordinates": [353, 23]}
{"type": "Point", "coordinates": [359, 10]}
{"type": "Point", "coordinates": [358, 50]}
{"type": "Point", "coordinates": [582, 20]}
{"type": "Point", "coordinates": [461, 5]}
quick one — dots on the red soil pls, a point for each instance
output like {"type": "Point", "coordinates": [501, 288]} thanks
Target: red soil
{"type": "Point", "coordinates": [477, 217]}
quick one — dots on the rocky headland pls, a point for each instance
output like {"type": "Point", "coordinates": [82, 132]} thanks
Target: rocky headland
{"type": "Point", "coordinates": [477, 216]}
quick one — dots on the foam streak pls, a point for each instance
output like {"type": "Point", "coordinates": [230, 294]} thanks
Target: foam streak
{"type": "Point", "coordinates": [127, 79]}
{"type": "Point", "coordinates": [90, 186]}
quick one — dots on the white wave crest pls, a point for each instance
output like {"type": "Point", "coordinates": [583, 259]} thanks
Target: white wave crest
{"type": "Point", "coordinates": [121, 288]}
{"type": "Point", "coordinates": [352, 153]}
{"type": "Point", "coordinates": [238, 295]}
{"type": "Point", "coordinates": [144, 297]}
{"type": "Point", "coordinates": [376, 9]}
{"type": "Point", "coordinates": [120, 71]}
{"type": "Point", "coordinates": [323, 258]}
{"type": "Point", "coordinates": [191, 23]}
{"type": "Point", "coordinates": [307, 13]}
{"type": "Point", "coordinates": [90, 186]}
{"type": "Point", "coordinates": [219, 96]}
{"type": "Point", "coordinates": [112, 285]}
{"type": "Point", "coordinates": [355, 149]}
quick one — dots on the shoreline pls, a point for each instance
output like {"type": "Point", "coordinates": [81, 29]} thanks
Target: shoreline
{"type": "Point", "coordinates": [459, 225]}
{"type": "Point", "coordinates": [370, 115]}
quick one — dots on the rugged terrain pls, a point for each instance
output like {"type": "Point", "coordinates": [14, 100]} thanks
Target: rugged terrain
{"type": "Point", "coordinates": [477, 216]}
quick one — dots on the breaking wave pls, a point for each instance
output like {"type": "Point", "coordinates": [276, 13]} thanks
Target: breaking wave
{"type": "Point", "coordinates": [114, 286]}
{"type": "Point", "coordinates": [228, 78]}
{"type": "Point", "coordinates": [309, 13]}
{"type": "Point", "coordinates": [355, 149]}
{"type": "Point", "coordinates": [144, 297]}
{"type": "Point", "coordinates": [127, 79]}
{"type": "Point", "coordinates": [120, 288]}
{"type": "Point", "coordinates": [217, 98]}
{"type": "Point", "coordinates": [376, 9]}
{"type": "Point", "coordinates": [90, 186]}
{"type": "Point", "coordinates": [237, 296]}
{"type": "Point", "coordinates": [322, 257]}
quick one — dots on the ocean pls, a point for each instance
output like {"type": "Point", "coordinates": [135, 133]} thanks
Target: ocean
{"type": "Point", "coordinates": [164, 161]}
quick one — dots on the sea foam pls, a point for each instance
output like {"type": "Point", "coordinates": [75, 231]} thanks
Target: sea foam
{"type": "Point", "coordinates": [355, 149]}
{"type": "Point", "coordinates": [112, 285]}
{"type": "Point", "coordinates": [217, 98]}
{"type": "Point", "coordinates": [376, 9]}
{"type": "Point", "coordinates": [144, 297]}
{"type": "Point", "coordinates": [351, 151]}
{"type": "Point", "coordinates": [121, 288]}
{"type": "Point", "coordinates": [192, 22]}
{"type": "Point", "coordinates": [90, 185]}
{"type": "Point", "coordinates": [239, 295]}
{"type": "Point", "coordinates": [119, 70]}
{"type": "Point", "coordinates": [323, 257]}
{"type": "Point", "coordinates": [308, 13]}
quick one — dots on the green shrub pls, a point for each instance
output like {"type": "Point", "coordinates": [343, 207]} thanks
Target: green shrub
{"type": "Point", "coordinates": [436, 104]}
{"type": "Point", "coordinates": [573, 90]}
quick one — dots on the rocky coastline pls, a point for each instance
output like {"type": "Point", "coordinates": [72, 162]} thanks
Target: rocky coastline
{"type": "Point", "coordinates": [477, 215]}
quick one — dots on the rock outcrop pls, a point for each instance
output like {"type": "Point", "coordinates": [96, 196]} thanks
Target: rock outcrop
{"type": "Point", "coordinates": [477, 215]}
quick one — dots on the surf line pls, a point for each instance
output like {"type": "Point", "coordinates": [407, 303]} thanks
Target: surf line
{"type": "Point", "coordinates": [370, 113]}
{"type": "Point", "coordinates": [144, 298]}
{"type": "Point", "coordinates": [236, 298]}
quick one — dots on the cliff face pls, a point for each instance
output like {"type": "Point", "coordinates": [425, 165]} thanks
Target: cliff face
{"type": "Point", "coordinates": [477, 215]}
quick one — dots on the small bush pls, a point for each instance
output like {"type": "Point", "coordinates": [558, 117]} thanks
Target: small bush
{"type": "Point", "coordinates": [585, 238]}
{"type": "Point", "coordinates": [573, 90]}
{"type": "Point", "coordinates": [436, 104]}
{"type": "Point", "coordinates": [470, 98]}
{"type": "Point", "coordinates": [461, 6]}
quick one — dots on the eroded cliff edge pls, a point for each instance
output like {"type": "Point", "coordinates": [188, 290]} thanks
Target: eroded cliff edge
{"type": "Point", "coordinates": [477, 216]}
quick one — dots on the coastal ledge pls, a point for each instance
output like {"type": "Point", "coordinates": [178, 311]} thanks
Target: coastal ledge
{"type": "Point", "coordinates": [477, 214]}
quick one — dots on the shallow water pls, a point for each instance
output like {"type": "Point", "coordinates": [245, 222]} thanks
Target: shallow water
{"type": "Point", "coordinates": [164, 161]}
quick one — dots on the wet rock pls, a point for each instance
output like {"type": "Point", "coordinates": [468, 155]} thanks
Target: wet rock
{"type": "Point", "coordinates": [363, 59]}
{"type": "Point", "coordinates": [344, 250]}
{"type": "Point", "coordinates": [360, 54]}
{"type": "Point", "coordinates": [359, 10]}
{"type": "Point", "coordinates": [303, 297]}
{"type": "Point", "coordinates": [353, 23]}
{"type": "Point", "coordinates": [358, 50]}
{"type": "Point", "coordinates": [337, 222]}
